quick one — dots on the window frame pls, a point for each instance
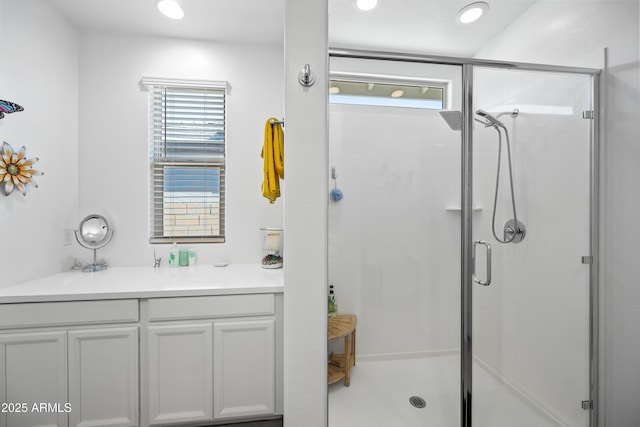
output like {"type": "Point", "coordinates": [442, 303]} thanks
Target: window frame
{"type": "Point", "coordinates": [357, 77]}
{"type": "Point", "coordinates": [156, 218]}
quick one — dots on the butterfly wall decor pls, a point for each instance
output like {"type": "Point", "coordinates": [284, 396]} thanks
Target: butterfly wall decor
{"type": "Point", "coordinates": [9, 107]}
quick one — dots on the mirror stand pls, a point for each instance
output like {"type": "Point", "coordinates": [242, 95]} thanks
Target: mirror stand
{"type": "Point", "coordinates": [89, 268]}
{"type": "Point", "coordinates": [94, 233]}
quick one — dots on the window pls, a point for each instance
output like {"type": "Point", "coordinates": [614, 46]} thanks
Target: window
{"type": "Point", "coordinates": [187, 153]}
{"type": "Point", "coordinates": [427, 95]}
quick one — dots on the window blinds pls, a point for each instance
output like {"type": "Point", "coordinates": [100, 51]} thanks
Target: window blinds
{"type": "Point", "coordinates": [187, 162]}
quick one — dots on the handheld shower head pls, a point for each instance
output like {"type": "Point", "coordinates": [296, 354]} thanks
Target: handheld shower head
{"type": "Point", "coordinates": [488, 119]}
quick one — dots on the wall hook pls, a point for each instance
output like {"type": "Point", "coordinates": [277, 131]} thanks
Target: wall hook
{"type": "Point", "coordinates": [336, 194]}
{"type": "Point", "coordinates": [305, 76]}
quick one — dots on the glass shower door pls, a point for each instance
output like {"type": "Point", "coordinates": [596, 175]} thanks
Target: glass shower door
{"type": "Point", "coordinates": [531, 299]}
{"type": "Point", "coordinates": [394, 243]}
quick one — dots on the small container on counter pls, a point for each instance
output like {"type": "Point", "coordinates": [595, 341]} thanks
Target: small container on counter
{"type": "Point", "coordinates": [272, 242]}
{"type": "Point", "coordinates": [183, 257]}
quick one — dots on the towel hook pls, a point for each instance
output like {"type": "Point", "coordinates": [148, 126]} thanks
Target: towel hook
{"type": "Point", "coordinates": [305, 76]}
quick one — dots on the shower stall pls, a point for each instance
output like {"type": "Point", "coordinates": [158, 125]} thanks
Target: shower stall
{"type": "Point", "coordinates": [465, 240]}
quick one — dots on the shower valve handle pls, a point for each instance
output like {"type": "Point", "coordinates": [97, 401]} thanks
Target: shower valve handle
{"type": "Point", "coordinates": [514, 231]}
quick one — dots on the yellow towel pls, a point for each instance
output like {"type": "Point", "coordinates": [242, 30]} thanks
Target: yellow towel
{"type": "Point", "coordinates": [273, 158]}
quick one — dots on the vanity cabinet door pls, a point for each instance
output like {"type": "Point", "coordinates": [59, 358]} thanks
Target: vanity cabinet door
{"type": "Point", "coordinates": [244, 368]}
{"type": "Point", "coordinates": [33, 379]}
{"type": "Point", "coordinates": [103, 377]}
{"type": "Point", "coordinates": [179, 373]}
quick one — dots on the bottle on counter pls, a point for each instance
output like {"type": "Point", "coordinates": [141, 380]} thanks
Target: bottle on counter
{"type": "Point", "coordinates": [174, 255]}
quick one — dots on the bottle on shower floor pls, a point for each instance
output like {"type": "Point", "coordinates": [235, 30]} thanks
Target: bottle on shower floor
{"type": "Point", "coordinates": [333, 307]}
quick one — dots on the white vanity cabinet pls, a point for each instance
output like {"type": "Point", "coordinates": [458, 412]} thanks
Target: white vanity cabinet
{"type": "Point", "coordinates": [244, 368]}
{"type": "Point", "coordinates": [103, 377]}
{"type": "Point", "coordinates": [212, 358]}
{"type": "Point", "coordinates": [140, 347]}
{"type": "Point", "coordinates": [33, 369]}
{"type": "Point", "coordinates": [69, 364]}
{"type": "Point", "coordinates": [179, 366]}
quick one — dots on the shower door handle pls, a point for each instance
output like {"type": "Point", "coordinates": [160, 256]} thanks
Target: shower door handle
{"type": "Point", "coordinates": [488, 247]}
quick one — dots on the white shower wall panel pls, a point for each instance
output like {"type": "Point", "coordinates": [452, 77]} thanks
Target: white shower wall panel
{"type": "Point", "coordinates": [393, 245]}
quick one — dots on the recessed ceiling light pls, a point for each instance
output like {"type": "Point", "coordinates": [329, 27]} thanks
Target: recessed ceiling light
{"type": "Point", "coordinates": [471, 12]}
{"type": "Point", "coordinates": [170, 8]}
{"type": "Point", "coordinates": [397, 93]}
{"type": "Point", "coordinates": [366, 4]}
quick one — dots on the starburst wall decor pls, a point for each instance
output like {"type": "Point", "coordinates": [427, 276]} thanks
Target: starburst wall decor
{"type": "Point", "coordinates": [16, 171]}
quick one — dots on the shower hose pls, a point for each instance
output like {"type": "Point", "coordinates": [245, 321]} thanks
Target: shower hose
{"type": "Point", "coordinates": [495, 198]}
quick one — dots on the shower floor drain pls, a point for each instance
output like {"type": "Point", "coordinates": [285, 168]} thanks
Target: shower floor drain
{"type": "Point", "coordinates": [417, 402]}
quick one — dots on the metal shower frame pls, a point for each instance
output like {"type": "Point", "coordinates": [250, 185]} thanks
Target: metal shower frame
{"type": "Point", "coordinates": [593, 259]}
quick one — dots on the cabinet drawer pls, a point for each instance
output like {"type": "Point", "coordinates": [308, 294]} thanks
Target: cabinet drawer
{"type": "Point", "coordinates": [211, 307]}
{"type": "Point", "coordinates": [42, 314]}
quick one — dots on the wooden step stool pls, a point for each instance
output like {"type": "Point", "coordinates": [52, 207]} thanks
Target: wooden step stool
{"type": "Point", "coordinates": [342, 326]}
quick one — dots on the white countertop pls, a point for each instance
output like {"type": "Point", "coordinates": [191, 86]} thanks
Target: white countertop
{"type": "Point", "coordinates": [147, 282]}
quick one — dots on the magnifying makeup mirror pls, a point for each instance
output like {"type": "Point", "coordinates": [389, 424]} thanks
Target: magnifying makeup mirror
{"type": "Point", "coordinates": [94, 233]}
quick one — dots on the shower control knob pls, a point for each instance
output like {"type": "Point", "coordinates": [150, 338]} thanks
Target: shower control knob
{"type": "Point", "coordinates": [514, 232]}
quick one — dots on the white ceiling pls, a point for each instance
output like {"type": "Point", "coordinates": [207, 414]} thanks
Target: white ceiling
{"type": "Point", "coordinates": [423, 26]}
{"type": "Point", "coordinates": [241, 21]}
{"type": "Point", "coordinates": [409, 25]}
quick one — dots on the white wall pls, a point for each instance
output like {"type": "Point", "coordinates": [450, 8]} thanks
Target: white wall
{"type": "Point", "coordinates": [305, 273]}
{"type": "Point", "coordinates": [394, 247]}
{"type": "Point", "coordinates": [575, 33]}
{"type": "Point", "coordinates": [565, 32]}
{"type": "Point", "coordinates": [114, 147]}
{"type": "Point", "coordinates": [86, 119]}
{"type": "Point", "coordinates": [40, 72]}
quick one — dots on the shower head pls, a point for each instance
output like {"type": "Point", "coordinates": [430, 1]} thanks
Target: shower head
{"type": "Point", "coordinates": [453, 118]}
{"type": "Point", "coordinates": [488, 119]}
